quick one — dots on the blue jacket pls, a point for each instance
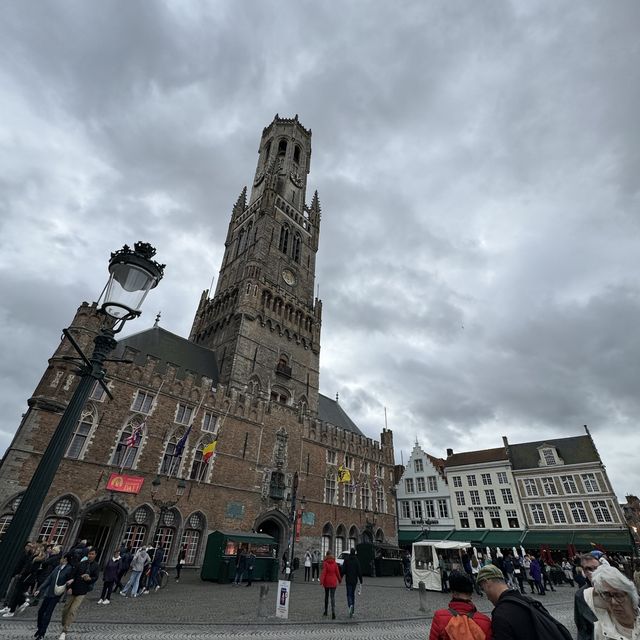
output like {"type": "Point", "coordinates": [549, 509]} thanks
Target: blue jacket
{"type": "Point", "coordinates": [59, 575]}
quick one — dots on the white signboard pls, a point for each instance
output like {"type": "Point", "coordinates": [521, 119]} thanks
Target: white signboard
{"type": "Point", "coordinates": [282, 604]}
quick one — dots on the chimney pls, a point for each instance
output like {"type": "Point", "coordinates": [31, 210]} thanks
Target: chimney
{"type": "Point", "coordinates": [449, 452]}
{"type": "Point", "coordinates": [505, 442]}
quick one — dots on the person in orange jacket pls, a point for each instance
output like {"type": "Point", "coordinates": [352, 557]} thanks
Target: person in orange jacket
{"type": "Point", "coordinates": [330, 578]}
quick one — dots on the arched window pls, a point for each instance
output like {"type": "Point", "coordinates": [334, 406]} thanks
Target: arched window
{"type": "Point", "coordinates": [296, 154]}
{"type": "Point", "coordinates": [283, 244]}
{"type": "Point", "coordinates": [327, 539]}
{"type": "Point", "coordinates": [191, 537]}
{"type": "Point", "coordinates": [128, 445]}
{"type": "Point", "coordinates": [353, 537]}
{"type": "Point", "coordinates": [137, 530]}
{"type": "Point", "coordinates": [240, 245]}
{"type": "Point", "coordinates": [341, 539]}
{"type": "Point", "coordinates": [78, 442]}
{"type": "Point", "coordinates": [170, 461]}
{"type": "Point", "coordinates": [165, 534]}
{"type": "Point", "coordinates": [282, 148]}
{"type": "Point", "coordinates": [297, 241]}
{"type": "Point", "coordinates": [53, 531]}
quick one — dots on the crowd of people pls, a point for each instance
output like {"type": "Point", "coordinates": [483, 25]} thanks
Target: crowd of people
{"type": "Point", "coordinates": [45, 575]}
{"type": "Point", "coordinates": [605, 603]}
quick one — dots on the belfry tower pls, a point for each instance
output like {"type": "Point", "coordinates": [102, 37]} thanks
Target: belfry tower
{"type": "Point", "coordinates": [263, 321]}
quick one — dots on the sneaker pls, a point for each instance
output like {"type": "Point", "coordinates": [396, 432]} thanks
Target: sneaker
{"type": "Point", "coordinates": [333, 616]}
{"type": "Point", "coordinates": [63, 636]}
{"type": "Point", "coordinates": [145, 592]}
{"type": "Point", "coordinates": [9, 614]}
{"type": "Point", "coordinates": [5, 610]}
{"type": "Point", "coordinates": [123, 594]}
{"type": "Point", "coordinates": [351, 611]}
{"type": "Point", "coordinates": [100, 601]}
{"type": "Point", "coordinates": [23, 607]}
{"type": "Point", "coordinates": [106, 602]}
{"type": "Point", "coordinates": [157, 587]}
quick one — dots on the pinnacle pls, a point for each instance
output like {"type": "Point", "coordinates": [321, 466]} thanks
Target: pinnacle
{"type": "Point", "coordinates": [241, 202]}
{"type": "Point", "coordinates": [315, 203]}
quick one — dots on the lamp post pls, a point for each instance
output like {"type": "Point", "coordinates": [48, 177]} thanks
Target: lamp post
{"type": "Point", "coordinates": [164, 505]}
{"type": "Point", "coordinates": [132, 274]}
{"type": "Point", "coordinates": [292, 526]}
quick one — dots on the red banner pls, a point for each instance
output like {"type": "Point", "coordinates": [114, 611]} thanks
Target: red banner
{"type": "Point", "coordinates": [124, 484]}
{"type": "Point", "coordinates": [298, 525]}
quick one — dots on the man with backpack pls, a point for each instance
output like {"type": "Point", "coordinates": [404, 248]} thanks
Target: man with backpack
{"type": "Point", "coordinates": [516, 616]}
{"type": "Point", "coordinates": [461, 621]}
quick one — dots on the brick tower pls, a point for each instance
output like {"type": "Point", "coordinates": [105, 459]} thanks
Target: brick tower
{"type": "Point", "coordinates": [263, 321]}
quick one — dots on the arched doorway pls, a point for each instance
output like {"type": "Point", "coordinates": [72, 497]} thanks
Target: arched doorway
{"type": "Point", "coordinates": [101, 526]}
{"type": "Point", "coordinates": [274, 524]}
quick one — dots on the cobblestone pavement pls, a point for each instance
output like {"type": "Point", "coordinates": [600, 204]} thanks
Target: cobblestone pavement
{"type": "Point", "coordinates": [194, 609]}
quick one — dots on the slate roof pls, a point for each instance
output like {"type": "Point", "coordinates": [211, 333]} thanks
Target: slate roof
{"type": "Point", "coordinates": [171, 348]}
{"type": "Point", "coordinates": [573, 450]}
{"type": "Point", "coordinates": [330, 411]}
{"type": "Point", "coordinates": [476, 457]}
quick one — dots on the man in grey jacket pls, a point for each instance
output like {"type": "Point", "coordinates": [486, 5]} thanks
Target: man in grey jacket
{"type": "Point", "coordinates": [583, 616]}
{"type": "Point", "coordinates": [138, 562]}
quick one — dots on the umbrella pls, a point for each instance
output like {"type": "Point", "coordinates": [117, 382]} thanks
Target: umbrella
{"type": "Point", "coordinates": [524, 553]}
{"type": "Point", "coordinates": [498, 552]}
{"type": "Point", "coordinates": [488, 553]}
{"type": "Point", "coordinates": [515, 552]}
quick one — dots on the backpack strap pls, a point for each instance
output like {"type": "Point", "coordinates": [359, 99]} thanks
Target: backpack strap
{"type": "Point", "coordinates": [455, 613]}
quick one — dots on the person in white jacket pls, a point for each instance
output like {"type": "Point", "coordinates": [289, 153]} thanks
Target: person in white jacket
{"type": "Point", "coordinates": [137, 565]}
{"type": "Point", "coordinates": [614, 600]}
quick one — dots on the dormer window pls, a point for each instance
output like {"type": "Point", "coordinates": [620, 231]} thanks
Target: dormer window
{"type": "Point", "coordinates": [548, 456]}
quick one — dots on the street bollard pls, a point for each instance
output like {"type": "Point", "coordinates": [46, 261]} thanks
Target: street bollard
{"type": "Point", "coordinates": [262, 605]}
{"type": "Point", "coordinates": [422, 594]}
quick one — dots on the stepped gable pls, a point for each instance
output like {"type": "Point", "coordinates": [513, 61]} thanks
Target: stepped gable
{"type": "Point", "coordinates": [170, 348]}
{"type": "Point", "coordinates": [572, 450]}
{"type": "Point", "coordinates": [330, 411]}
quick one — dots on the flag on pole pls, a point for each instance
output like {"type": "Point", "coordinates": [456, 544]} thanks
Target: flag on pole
{"type": "Point", "coordinates": [135, 436]}
{"type": "Point", "coordinates": [209, 451]}
{"type": "Point", "coordinates": [180, 444]}
{"type": "Point", "coordinates": [344, 475]}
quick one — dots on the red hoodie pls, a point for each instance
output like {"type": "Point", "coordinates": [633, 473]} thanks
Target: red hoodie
{"type": "Point", "coordinates": [330, 576]}
{"type": "Point", "coordinates": [442, 616]}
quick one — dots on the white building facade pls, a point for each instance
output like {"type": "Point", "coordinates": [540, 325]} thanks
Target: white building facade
{"type": "Point", "coordinates": [423, 502]}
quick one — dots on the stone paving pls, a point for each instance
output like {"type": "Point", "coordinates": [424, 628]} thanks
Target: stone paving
{"type": "Point", "coordinates": [194, 609]}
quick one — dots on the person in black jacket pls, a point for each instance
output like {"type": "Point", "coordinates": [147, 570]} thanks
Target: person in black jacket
{"type": "Point", "coordinates": [516, 616]}
{"type": "Point", "coordinates": [583, 616]}
{"type": "Point", "coordinates": [352, 573]}
{"type": "Point", "coordinates": [84, 577]}
{"type": "Point", "coordinates": [23, 563]}
{"type": "Point", "coordinates": [60, 576]}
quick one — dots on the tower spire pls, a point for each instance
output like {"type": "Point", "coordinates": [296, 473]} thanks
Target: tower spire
{"type": "Point", "coordinates": [241, 203]}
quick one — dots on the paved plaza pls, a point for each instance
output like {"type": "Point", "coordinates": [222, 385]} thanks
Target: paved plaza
{"type": "Point", "coordinates": [194, 609]}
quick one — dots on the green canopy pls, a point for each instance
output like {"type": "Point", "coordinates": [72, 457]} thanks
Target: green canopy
{"type": "Point", "coordinates": [558, 540]}
{"type": "Point", "coordinates": [242, 536]}
{"type": "Point", "coordinates": [610, 540]}
{"type": "Point", "coordinates": [503, 538]}
{"type": "Point", "coordinates": [475, 536]}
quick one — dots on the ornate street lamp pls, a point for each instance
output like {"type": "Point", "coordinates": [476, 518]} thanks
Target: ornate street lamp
{"type": "Point", "coordinates": [292, 526]}
{"type": "Point", "coordinates": [133, 273]}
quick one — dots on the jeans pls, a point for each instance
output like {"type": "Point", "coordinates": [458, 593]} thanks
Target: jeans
{"type": "Point", "coordinates": [153, 578]}
{"type": "Point", "coordinates": [351, 595]}
{"type": "Point", "coordinates": [307, 573]}
{"type": "Point", "coordinates": [330, 592]}
{"type": "Point", "coordinates": [132, 584]}
{"type": "Point", "coordinates": [45, 612]}
{"type": "Point", "coordinates": [315, 570]}
{"type": "Point", "coordinates": [238, 577]}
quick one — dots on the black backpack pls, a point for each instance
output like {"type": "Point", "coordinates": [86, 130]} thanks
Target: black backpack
{"type": "Point", "coordinates": [545, 625]}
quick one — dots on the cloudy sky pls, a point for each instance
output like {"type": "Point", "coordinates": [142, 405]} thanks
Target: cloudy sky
{"type": "Point", "coordinates": [477, 165]}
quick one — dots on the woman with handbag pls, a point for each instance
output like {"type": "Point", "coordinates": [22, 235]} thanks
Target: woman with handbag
{"type": "Point", "coordinates": [51, 591]}
{"type": "Point", "coordinates": [181, 560]}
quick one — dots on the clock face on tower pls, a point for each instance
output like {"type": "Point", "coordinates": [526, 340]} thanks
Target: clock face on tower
{"type": "Point", "coordinates": [289, 277]}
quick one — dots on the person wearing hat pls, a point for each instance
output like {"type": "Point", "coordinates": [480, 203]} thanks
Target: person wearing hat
{"type": "Point", "coordinates": [516, 616]}
{"type": "Point", "coordinates": [461, 604]}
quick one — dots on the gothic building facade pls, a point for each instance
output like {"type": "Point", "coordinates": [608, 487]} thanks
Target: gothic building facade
{"type": "Point", "coordinates": [247, 378]}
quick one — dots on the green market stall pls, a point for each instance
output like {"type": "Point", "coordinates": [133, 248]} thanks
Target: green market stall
{"type": "Point", "coordinates": [219, 563]}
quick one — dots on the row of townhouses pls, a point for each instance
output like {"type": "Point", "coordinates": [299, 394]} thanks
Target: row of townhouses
{"type": "Point", "coordinates": [553, 494]}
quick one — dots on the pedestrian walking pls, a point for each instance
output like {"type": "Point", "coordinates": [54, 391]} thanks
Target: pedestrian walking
{"type": "Point", "coordinates": [307, 566]}
{"type": "Point", "coordinates": [251, 564]}
{"type": "Point", "coordinates": [23, 563]}
{"type": "Point", "coordinates": [125, 562]}
{"type": "Point", "coordinates": [156, 565]}
{"type": "Point", "coordinates": [315, 565]}
{"type": "Point", "coordinates": [330, 578]}
{"type": "Point", "coordinates": [545, 571]}
{"type": "Point", "coordinates": [461, 619]}
{"type": "Point", "coordinates": [567, 569]}
{"type": "Point", "coordinates": [518, 572]}
{"type": "Point", "coordinates": [138, 563]}
{"type": "Point", "coordinates": [516, 616]}
{"type": "Point", "coordinates": [84, 577]}
{"type": "Point", "coordinates": [285, 558]}
{"type": "Point", "coordinates": [241, 567]}
{"type": "Point", "coordinates": [50, 591]}
{"type": "Point", "coordinates": [352, 575]}
{"type": "Point", "coordinates": [536, 573]}
{"type": "Point", "coordinates": [110, 577]}
{"type": "Point", "coordinates": [26, 580]}
{"type": "Point", "coordinates": [181, 561]}
{"type": "Point", "coordinates": [475, 568]}
{"type": "Point", "coordinates": [614, 601]}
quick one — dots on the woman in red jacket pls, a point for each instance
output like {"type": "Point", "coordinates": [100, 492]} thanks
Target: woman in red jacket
{"type": "Point", "coordinates": [330, 578]}
{"type": "Point", "coordinates": [461, 589]}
